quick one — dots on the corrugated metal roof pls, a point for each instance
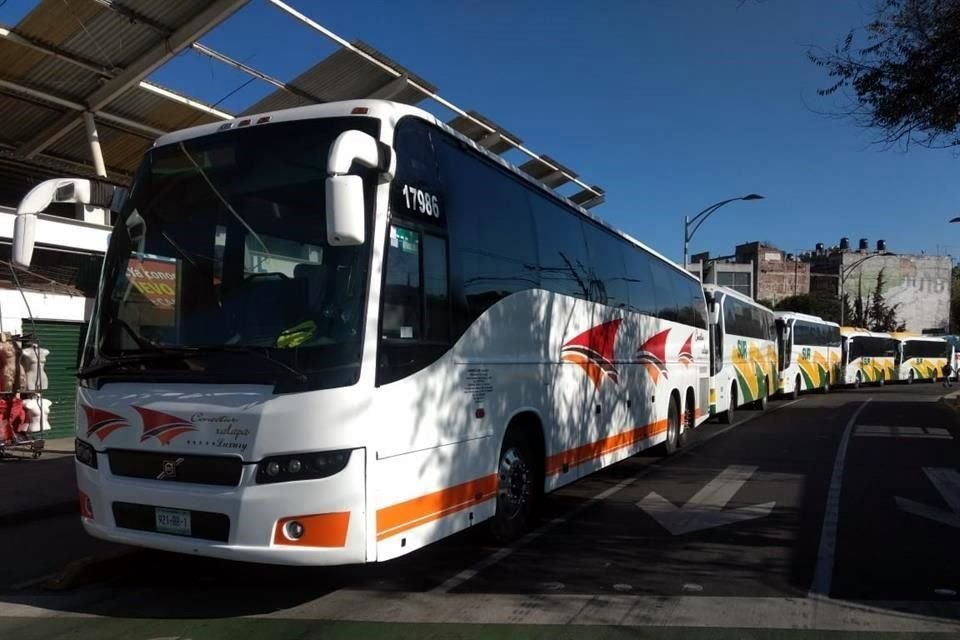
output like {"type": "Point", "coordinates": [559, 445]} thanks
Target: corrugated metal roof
{"type": "Point", "coordinates": [22, 118]}
{"type": "Point", "coordinates": [343, 75]}
{"type": "Point", "coordinates": [112, 36]}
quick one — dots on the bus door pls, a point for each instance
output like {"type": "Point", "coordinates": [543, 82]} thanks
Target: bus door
{"type": "Point", "coordinates": [784, 344]}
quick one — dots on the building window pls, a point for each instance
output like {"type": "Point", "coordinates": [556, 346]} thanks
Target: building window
{"type": "Point", "coordinates": [737, 280]}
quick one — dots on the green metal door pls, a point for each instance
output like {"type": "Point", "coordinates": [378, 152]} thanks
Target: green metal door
{"type": "Point", "coordinates": [62, 339]}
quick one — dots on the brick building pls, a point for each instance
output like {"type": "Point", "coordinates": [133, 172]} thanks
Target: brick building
{"type": "Point", "coordinates": [778, 274]}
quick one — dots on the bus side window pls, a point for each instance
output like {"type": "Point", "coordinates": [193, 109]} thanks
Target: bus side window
{"type": "Point", "coordinates": [415, 320]}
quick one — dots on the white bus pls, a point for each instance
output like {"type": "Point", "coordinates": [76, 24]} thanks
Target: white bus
{"type": "Point", "coordinates": [380, 335]}
{"type": "Point", "coordinates": [921, 357]}
{"type": "Point", "coordinates": [868, 357]}
{"type": "Point", "coordinates": [808, 349]}
{"type": "Point", "coordinates": [743, 354]}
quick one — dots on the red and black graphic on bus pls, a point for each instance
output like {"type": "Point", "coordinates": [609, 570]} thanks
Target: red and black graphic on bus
{"type": "Point", "coordinates": [653, 355]}
{"type": "Point", "coordinates": [162, 426]}
{"type": "Point", "coordinates": [592, 350]}
{"type": "Point", "coordinates": [686, 352]}
{"type": "Point", "coordinates": [102, 423]}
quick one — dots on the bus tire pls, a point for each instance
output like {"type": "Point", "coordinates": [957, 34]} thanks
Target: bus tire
{"type": "Point", "coordinates": [674, 426]}
{"type": "Point", "coordinates": [727, 416]}
{"type": "Point", "coordinates": [796, 389]}
{"type": "Point", "coordinates": [517, 490]}
{"type": "Point", "coordinates": [826, 387]}
{"type": "Point", "coordinates": [883, 379]}
{"type": "Point", "coordinates": [910, 377]}
{"type": "Point", "coordinates": [857, 381]}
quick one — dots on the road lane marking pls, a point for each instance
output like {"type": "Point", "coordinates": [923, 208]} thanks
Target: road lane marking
{"type": "Point", "coordinates": [705, 509]}
{"type": "Point", "coordinates": [823, 572]}
{"type": "Point", "coordinates": [947, 483]}
{"type": "Point", "coordinates": [467, 574]}
{"type": "Point", "coordinates": [882, 431]}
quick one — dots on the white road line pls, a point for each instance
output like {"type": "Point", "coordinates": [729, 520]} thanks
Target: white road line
{"type": "Point", "coordinates": [823, 572]}
{"type": "Point", "coordinates": [467, 574]}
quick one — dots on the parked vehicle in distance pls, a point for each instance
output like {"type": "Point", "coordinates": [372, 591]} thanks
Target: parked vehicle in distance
{"type": "Point", "coordinates": [743, 352]}
{"type": "Point", "coordinates": [868, 357]}
{"type": "Point", "coordinates": [921, 357]}
{"type": "Point", "coordinates": [808, 351]}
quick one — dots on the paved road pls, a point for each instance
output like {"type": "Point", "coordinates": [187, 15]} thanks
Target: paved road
{"type": "Point", "coordinates": [832, 512]}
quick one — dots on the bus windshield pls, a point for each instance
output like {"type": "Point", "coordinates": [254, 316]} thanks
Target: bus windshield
{"type": "Point", "coordinates": [222, 246]}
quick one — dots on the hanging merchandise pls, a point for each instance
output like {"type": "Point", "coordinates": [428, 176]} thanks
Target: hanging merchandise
{"type": "Point", "coordinates": [24, 413]}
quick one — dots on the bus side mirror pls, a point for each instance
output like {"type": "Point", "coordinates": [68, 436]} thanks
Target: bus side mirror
{"type": "Point", "coordinates": [345, 208]}
{"type": "Point", "coordinates": [37, 200]}
{"type": "Point", "coordinates": [714, 315]}
{"type": "Point", "coordinates": [344, 192]}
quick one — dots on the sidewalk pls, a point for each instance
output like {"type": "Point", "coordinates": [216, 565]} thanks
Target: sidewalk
{"type": "Point", "coordinates": [38, 488]}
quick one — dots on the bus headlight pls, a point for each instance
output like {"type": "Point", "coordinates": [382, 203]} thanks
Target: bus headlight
{"type": "Point", "coordinates": [302, 466]}
{"type": "Point", "coordinates": [85, 453]}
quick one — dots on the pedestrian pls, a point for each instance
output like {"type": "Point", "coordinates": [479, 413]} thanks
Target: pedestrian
{"type": "Point", "coordinates": [947, 371]}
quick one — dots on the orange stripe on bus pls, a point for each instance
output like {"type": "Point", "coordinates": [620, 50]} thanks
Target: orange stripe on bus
{"type": "Point", "coordinates": [433, 506]}
{"type": "Point", "coordinates": [573, 457]}
{"type": "Point", "coordinates": [406, 515]}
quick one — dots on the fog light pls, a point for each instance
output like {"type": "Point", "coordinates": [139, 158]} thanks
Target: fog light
{"type": "Point", "coordinates": [86, 506]}
{"type": "Point", "coordinates": [293, 530]}
{"type": "Point", "coordinates": [272, 469]}
{"type": "Point", "coordinates": [294, 466]}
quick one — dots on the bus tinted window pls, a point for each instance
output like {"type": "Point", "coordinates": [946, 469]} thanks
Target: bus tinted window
{"type": "Point", "coordinates": [492, 241]}
{"type": "Point", "coordinates": [415, 143]}
{"type": "Point", "coordinates": [609, 278]}
{"type": "Point", "coordinates": [640, 282]}
{"type": "Point", "coordinates": [925, 349]}
{"type": "Point", "coordinates": [669, 300]}
{"type": "Point", "coordinates": [747, 320]}
{"type": "Point", "coordinates": [564, 265]}
{"type": "Point", "coordinates": [872, 347]}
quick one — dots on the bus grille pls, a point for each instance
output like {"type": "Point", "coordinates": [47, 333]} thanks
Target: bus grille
{"type": "Point", "coordinates": [204, 524]}
{"type": "Point", "coordinates": [172, 467]}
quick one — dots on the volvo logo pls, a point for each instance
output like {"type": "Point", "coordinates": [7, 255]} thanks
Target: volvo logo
{"type": "Point", "coordinates": [169, 469]}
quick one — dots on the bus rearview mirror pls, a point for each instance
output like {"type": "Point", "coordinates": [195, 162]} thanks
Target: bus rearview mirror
{"type": "Point", "coordinates": [345, 209]}
{"type": "Point", "coordinates": [715, 314]}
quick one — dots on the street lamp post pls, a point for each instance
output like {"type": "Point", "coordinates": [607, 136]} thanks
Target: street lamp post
{"type": "Point", "coordinates": [699, 219]}
{"type": "Point", "coordinates": [844, 274]}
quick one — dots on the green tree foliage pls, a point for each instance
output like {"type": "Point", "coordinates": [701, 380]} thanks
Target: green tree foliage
{"type": "Point", "coordinates": [880, 315]}
{"type": "Point", "coordinates": [900, 74]}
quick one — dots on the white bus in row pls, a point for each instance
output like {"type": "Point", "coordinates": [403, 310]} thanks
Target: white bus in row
{"type": "Point", "coordinates": [377, 335]}
{"type": "Point", "coordinates": [743, 356]}
{"type": "Point", "coordinates": [922, 357]}
{"type": "Point", "coordinates": [868, 357]}
{"type": "Point", "coordinates": [809, 352]}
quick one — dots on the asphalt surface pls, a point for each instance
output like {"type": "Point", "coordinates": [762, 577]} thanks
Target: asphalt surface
{"type": "Point", "coordinates": [834, 512]}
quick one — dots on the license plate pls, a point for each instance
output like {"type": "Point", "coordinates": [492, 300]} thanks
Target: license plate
{"type": "Point", "coordinates": [176, 521]}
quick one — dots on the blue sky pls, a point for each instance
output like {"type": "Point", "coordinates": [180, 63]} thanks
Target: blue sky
{"type": "Point", "coordinates": [670, 105]}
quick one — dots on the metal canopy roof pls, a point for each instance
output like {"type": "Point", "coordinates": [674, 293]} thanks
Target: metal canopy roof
{"type": "Point", "coordinates": [67, 57]}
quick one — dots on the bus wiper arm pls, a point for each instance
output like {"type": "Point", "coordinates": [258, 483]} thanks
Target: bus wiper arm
{"type": "Point", "coordinates": [153, 353]}
{"type": "Point", "coordinates": [263, 354]}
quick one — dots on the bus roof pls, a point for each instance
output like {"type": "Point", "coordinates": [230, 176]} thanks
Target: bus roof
{"type": "Point", "coordinates": [715, 288]}
{"type": "Point", "coordinates": [794, 315]}
{"type": "Point", "coordinates": [908, 335]}
{"type": "Point", "coordinates": [851, 332]}
{"type": "Point", "coordinates": [392, 112]}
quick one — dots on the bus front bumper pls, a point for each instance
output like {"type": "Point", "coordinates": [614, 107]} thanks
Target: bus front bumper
{"type": "Point", "coordinates": [251, 522]}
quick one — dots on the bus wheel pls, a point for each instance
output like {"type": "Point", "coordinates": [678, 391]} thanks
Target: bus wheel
{"type": "Point", "coordinates": [910, 377]}
{"type": "Point", "coordinates": [674, 427]}
{"type": "Point", "coordinates": [727, 416]}
{"type": "Point", "coordinates": [857, 381]}
{"type": "Point", "coordinates": [882, 380]}
{"type": "Point", "coordinates": [796, 389]}
{"type": "Point", "coordinates": [826, 387]}
{"type": "Point", "coordinates": [516, 488]}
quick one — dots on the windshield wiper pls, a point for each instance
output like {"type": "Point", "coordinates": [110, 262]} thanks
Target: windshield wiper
{"type": "Point", "coordinates": [157, 352]}
{"type": "Point", "coordinates": [261, 352]}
